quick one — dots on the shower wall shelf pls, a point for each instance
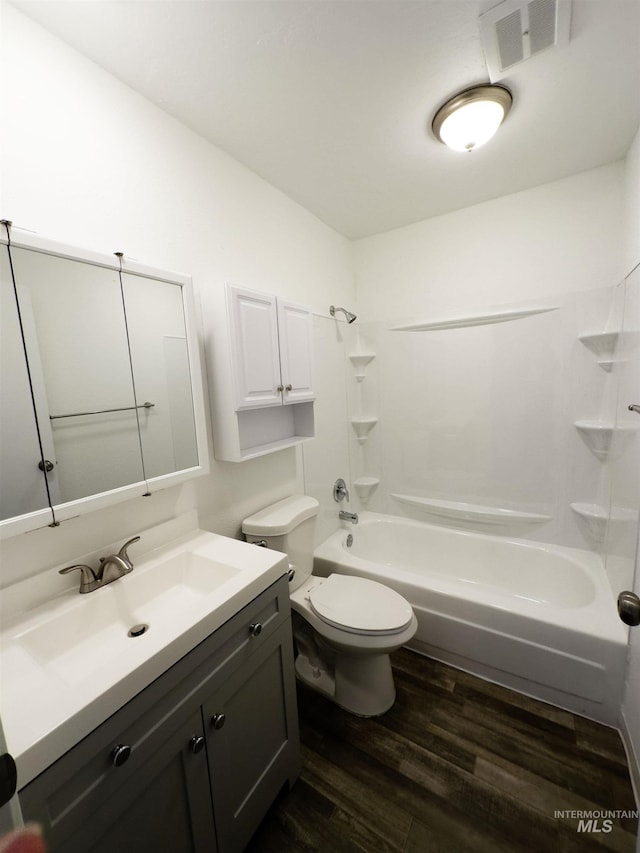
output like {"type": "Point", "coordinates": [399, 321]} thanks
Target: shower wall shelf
{"type": "Point", "coordinates": [360, 360]}
{"type": "Point", "coordinates": [604, 438]}
{"type": "Point", "coordinates": [473, 320]}
{"type": "Point", "coordinates": [597, 516]}
{"type": "Point", "coordinates": [365, 487]}
{"type": "Point", "coordinates": [461, 511]}
{"type": "Point", "coordinates": [603, 345]}
{"type": "Point", "coordinates": [362, 427]}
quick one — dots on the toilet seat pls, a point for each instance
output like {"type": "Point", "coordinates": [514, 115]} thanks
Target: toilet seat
{"type": "Point", "coordinates": [360, 606]}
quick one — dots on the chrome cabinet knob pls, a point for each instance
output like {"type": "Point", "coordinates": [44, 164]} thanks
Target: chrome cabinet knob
{"type": "Point", "coordinates": [197, 744]}
{"type": "Point", "coordinates": [280, 388]}
{"type": "Point", "coordinates": [120, 754]}
{"type": "Point", "coordinates": [218, 720]}
{"type": "Point", "coordinates": [255, 629]}
{"type": "Point", "coordinates": [288, 387]}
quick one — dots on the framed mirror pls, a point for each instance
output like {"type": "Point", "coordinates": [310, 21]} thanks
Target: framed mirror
{"type": "Point", "coordinates": [101, 378]}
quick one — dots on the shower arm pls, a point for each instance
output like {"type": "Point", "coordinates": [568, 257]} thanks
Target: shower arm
{"type": "Point", "coordinates": [348, 315]}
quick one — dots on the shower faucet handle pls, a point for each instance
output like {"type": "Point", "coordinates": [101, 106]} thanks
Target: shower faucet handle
{"type": "Point", "coordinates": [340, 491]}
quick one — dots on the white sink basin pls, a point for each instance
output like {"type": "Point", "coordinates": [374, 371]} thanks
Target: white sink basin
{"type": "Point", "coordinates": [69, 641]}
{"type": "Point", "coordinates": [70, 662]}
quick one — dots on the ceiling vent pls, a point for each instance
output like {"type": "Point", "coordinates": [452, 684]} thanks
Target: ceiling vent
{"type": "Point", "coordinates": [516, 30]}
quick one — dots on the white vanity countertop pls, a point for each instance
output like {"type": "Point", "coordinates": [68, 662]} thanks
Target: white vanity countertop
{"type": "Point", "coordinates": [67, 663]}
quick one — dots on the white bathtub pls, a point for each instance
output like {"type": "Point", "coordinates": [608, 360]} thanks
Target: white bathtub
{"type": "Point", "coordinates": [540, 619]}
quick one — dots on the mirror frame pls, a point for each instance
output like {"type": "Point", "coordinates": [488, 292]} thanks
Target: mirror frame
{"type": "Point", "coordinates": [21, 239]}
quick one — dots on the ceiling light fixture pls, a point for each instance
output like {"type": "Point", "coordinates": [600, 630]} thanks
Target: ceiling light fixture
{"type": "Point", "coordinates": [472, 117]}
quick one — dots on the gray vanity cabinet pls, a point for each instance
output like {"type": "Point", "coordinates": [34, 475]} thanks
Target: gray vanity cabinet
{"type": "Point", "coordinates": [247, 752]}
{"type": "Point", "coordinates": [208, 745]}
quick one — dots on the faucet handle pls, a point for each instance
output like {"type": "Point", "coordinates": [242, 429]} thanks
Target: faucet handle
{"type": "Point", "coordinates": [123, 551]}
{"type": "Point", "coordinates": [340, 491]}
{"type": "Point", "coordinates": [88, 578]}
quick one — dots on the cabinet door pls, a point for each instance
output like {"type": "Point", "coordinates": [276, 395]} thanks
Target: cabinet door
{"type": "Point", "coordinates": [254, 344]}
{"type": "Point", "coordinates": [253, 749]}
{"type": "Point", "coordinates": [162, 804]}
{"type": "Point", "coordinates": [295, 327]}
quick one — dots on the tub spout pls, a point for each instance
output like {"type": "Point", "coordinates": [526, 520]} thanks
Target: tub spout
{"type": "Point", "coordinates": [343, 515]}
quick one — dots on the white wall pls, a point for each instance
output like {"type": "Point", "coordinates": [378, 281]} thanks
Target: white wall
{"type": "Point", "coordinates": [553, 239]}
{"type": "Point", "coordinates": [485, 415]}
{"type": "Point", "coordinates": [630, 713]}
{"type": "Point", "coordinates": [89, 162]}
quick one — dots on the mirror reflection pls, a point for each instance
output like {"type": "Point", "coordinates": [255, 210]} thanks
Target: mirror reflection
{"type": "Point", "coordinates": [76, 339]}
{"type": "Point", "coordinates": [160, 363]}
{"type": "Point", "coordinates": [22, 485]}
{"type": "Point", "coordinates": [103, 400]}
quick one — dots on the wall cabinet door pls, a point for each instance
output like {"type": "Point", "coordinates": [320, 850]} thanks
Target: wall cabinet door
{"type": "Point", "coordinates": [272, 350]}
{"type": "Point", "coordinates": [256, 351]}
{"type": "Point", "coordinates": [251, 725]}
{"type": "Point", "coordinates": [296, 351]}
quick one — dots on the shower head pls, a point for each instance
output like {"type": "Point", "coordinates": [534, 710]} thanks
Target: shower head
{"type": "Point", "coordinates": [350, 317]}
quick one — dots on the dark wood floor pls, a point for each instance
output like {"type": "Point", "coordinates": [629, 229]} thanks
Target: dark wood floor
{"type": "Point", "coordinates": [457, 765]}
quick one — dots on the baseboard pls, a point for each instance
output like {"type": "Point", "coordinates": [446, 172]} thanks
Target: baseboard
{"type": "Point", "coordinates": [633, 759]}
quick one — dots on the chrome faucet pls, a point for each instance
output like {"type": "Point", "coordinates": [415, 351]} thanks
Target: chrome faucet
{"type": "Point", "coordinates": [111, 568]}
{"type": "Point", "coordinates": [343, 515]}
{"type": "Point", "coordinates": [120, 561]}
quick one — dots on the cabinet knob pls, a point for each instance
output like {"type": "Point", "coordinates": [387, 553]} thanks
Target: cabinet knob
{"type": "Point", "coordinates": [197, 744]}
{"type": "Point", "coordinates": [255, 629]}
{"type": "Point", "coordinates": [280, 388]}
{"type": "Point", "coordinates": [218, 720]}
{"type": "Point", "coordinates": [120, 754]}
{"type": "Point", "coordinates": [288, 387]}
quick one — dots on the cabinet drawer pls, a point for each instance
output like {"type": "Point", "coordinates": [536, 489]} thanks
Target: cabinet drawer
{"type": "Point", "coordinates": [232, 644]}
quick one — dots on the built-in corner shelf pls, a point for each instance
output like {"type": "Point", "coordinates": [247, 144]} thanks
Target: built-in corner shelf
{"type": "Point", "coordinates": [596, 517]}
{"type": "Point", "coordinates": [605, 438]}
{"type": "Point", "coordinates": [473, 320]}
{"type": "Point", "coordinates": [362, 427]}
{"type": "Point", "coordinates": [461, 511]}
{"type": "Point", "coordinates": [603, 346]}
{"type": "Point", "coordinates": [360, 360]}
{"type": "Point", "coordinates": [365, 487]}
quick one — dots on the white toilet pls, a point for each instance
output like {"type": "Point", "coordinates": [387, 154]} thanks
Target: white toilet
{"type": "Point", "coordinates": [344, 627]}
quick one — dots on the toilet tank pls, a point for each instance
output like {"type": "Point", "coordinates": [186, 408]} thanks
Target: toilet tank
{"type": "Point", "coordinates": [287, 526]}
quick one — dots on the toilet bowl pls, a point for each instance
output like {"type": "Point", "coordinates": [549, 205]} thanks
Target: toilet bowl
{"type": "Point", "coordinates": [344, 627]}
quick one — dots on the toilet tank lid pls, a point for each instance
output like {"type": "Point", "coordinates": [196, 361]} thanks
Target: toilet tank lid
{"type": "Point", "coordinates": [281, 517]}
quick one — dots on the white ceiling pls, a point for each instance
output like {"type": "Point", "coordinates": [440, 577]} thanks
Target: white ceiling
{"type": "Point", "coordinates": [332, 100]}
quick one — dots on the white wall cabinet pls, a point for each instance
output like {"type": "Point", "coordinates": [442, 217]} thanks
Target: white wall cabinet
{"type": "Point", "coordinates": [272, 351]}
{"type": "Point", "coordinates": [268, 404]}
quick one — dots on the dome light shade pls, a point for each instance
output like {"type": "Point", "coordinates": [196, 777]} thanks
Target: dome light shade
{"type": "Point", "coordinates": [472, 117]}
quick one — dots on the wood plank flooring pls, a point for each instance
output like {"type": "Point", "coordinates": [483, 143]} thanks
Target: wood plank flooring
{"type": "Point", "coordinates": [458, 764]}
